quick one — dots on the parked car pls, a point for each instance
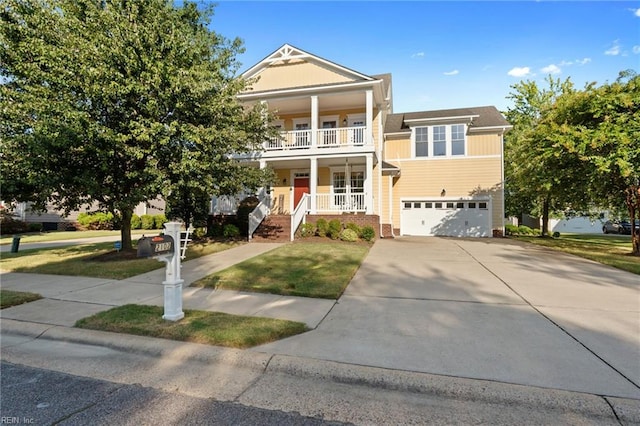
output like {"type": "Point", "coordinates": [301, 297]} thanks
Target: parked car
{"type": "Point", "coordinates": [618, 227]}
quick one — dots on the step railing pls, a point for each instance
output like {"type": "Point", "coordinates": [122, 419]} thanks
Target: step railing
{"type": "Point", "coordinates": [300, 213]}
{"type": "Point", "coordinates": [258, 214]}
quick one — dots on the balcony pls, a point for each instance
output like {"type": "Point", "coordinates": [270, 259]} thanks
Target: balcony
{"type": "Point", "coordinates": [341, 138]}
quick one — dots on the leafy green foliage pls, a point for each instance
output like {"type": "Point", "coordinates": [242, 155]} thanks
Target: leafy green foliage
{"type": "Point", "coordinates": [98, 220]}
{"type": "Point", "coordinates": [349, 235]}
{"type": "Point", "coordinates": [354, 227]}
{"type": "Point", "coordinates": [117, 102]}
{"type": "Point", "coordinates": [322, 227]}
{"type": "Point", "coordinates": [136, 222]}
{"type": "Point", "coordinates": [10, 225]}
{"type": "Point", "coordinates": [335, 227]}
{"type": "Point", "coordinates": [230, 231]}
{"type": "Point", "coordinates": [307, 230]}
{"type": "Point", "coordinates": [148, 222]}
{"type": "Point", "coordinates": [368, 233]}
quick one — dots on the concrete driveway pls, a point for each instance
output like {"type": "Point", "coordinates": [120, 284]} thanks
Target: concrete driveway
{"type": "Point", "coordinates": [490, 309]}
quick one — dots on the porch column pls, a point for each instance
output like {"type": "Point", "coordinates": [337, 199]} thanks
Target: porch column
{"type": "Point", "coordinates": [368, 183]}
{"type": "Point", "coordinates": [313, 183]}
{"type": "Point", "coordinates": [369, 118]}
{"type": "Point", "coordinates": [314, 121]}
{"type": "Point", "coordinates": [263, 190]}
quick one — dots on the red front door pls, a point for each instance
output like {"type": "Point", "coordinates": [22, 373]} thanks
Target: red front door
{"type": "Point", "coordinates": [300, 186]}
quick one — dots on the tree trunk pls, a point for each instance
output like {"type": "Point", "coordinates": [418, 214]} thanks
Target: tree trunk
{"type": "Point", "coordinates": [633, 205]}
{"type": "Point", "coordinates": [125, 230]}
{"type": "Point", "coordinates": [545, 217]}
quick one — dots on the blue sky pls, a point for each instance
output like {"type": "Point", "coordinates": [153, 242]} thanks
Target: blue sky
{"type": "Point", "coordinates": [447, 54]}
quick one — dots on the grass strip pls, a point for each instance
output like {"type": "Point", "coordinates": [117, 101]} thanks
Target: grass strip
{"type": "Point", "coordinates": [10, 298]}
{"type": "Point", "coordinates": [97, 260]}
{"type": "Point", "coordinates": [212, 328]}
{"type": "Point", "coordinates": [320, 270]}
{"type": "Point", "coordinates": [609, 250]}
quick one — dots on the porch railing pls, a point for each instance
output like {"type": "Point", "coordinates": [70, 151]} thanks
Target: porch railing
{"type": "Point", "coordinates": [300, 213]}
{"type": "Point", "coordinates": [326, 138]}
{"type": "Point", "coordinates": [354, 202]}
{"type": "Point", "coordinates": [225, 204]}
{"type": "Point", "coordinates": [258, 214]}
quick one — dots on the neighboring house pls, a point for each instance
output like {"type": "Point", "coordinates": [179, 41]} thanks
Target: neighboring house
{"type": "Point", "coordinates": [343, 153]}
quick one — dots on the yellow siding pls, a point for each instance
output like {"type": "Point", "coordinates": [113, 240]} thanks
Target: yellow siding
{"type": "Point", "coordinates": [399, 148]}
{"type": "Point", "coordinates": [297, 74]}
{"type": "Point", "coordinates": [477, 145]}
{"type": "Point", "coordinates": [459, 177]}
{"type": "Point", "coordinates": [483, 145]}
{"type": "Point", "coordinates": [280, 194]}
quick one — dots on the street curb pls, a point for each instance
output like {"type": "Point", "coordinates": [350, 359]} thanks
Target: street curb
{"type": "Point", "coordinates": [265, 364]}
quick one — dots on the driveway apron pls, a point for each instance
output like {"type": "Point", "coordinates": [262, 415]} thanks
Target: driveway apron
{"type": "Point", "coordinates": [490, 309]}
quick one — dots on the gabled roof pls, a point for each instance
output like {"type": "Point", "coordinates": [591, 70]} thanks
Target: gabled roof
{"type": "Point", "coordinates": [287, 53]}
{"type": "Point", "coordinates": [484, 117]}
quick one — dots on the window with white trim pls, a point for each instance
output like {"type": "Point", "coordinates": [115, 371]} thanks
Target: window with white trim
{"type": "Point", "coordinates": [422, 142]}
{"type": "Point", "coordinates": [439, 141]}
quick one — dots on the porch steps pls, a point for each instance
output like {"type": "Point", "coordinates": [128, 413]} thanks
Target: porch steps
{"type": "Point", "coordinates": [273, 228]}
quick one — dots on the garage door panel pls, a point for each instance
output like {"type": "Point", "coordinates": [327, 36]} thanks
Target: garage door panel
{"type": "Point", "coordinates": [446, 218]}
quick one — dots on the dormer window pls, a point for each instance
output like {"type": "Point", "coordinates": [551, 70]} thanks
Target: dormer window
{"type": "Point", "coordinates": [439, 141]}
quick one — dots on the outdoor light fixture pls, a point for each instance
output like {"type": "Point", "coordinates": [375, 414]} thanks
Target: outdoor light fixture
{"type": "Point", "coordinates": [443, 193]}
{"type": "Point", "coordinates": [284, 181]}
{"type": "Point", "coordinates": [344, 123]}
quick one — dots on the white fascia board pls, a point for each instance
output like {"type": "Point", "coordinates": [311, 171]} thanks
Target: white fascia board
{"type": "Point", "coordinates": [300, 54]}
{"type": "Point", "coordinates": [417, 121]}
{"type": "Point", "coordinates": [489, 128]}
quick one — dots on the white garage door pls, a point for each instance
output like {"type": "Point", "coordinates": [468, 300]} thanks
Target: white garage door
{"type": "Point", "coordinates": [462, 218]}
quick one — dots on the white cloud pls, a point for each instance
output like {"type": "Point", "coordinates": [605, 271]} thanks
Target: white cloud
{"type": "Point", "coordinates": [583, 61]}
{"type": "Point", "coordinates": [565, 63]}
{"type": "Point", "coordinates": [418, 55]}
{"type": "Point", "coordinates": [454, 72]}
{"type": "Point", "coordinates": [613, 50]}
{"type": "Point", "coordinates": [551, 69]}
{"type": "Point", "coordinates": [519, 72]}
{"type": "Point", "coordinates": [636, 12]}
{"type": "Point", "coordinates": [636, 49]}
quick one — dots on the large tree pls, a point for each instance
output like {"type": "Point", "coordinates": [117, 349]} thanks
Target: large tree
{"type": "Point", "coordinates": [114, 102]}
{"type": "Point", "coordinates": [602, 126]}
{"type": "Point", "coordinates": [539, 178]}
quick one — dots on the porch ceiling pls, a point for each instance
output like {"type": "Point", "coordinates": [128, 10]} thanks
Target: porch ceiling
{"type": "Point", "coordinates": [322, 162]}
{"type": "Point", "coordinates": [325, 103]}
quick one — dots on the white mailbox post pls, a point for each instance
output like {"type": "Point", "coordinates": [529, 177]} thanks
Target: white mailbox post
{"type": "Point", "coordinates": [173, 283]}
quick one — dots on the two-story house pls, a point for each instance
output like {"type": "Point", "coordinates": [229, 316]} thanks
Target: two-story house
{"type": "Point", "coordinates": [342, 151]}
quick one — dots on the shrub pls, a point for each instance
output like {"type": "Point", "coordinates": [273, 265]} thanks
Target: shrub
{"type": "Point", "coordinates": [335, 227]}
{"type": "Point", "coordinates": [556, 234]}
{"type": "Point", "coordinates": [97, 220]}
{"type": "Point", "coordinates": [147, 221]}
{"type": "Point", "coordinates": [231, 231]}
{"type": "Point", "coordinates": [368, 233]}
{"type": "Point", "coordinates": [348, 235]}
{"type": "Point", "coordinates": [322, 227]}
{"type": "Point", "coordinates": [307, 230]}
{"type": "Point", "coordinates": [354, 227]}
{"type": "Point", "coordinates": [199, 232]}
{"type": "Point", "coordinates": [159, 220]}
{"type": "Point", "coordinates": [35, 227]}
{"type": "Point", "coordinates": [11, 225]}
{"type": "Point", "coordinates": [136, 222]}
{"type": "Point", "coordinates": [215, 230]}
{"type": "Point", "coordinates": [511, 229]}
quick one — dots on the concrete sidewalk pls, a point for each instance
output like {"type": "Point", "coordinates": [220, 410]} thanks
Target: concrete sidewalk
{"type": "Point", "coordinates": [68, 299]}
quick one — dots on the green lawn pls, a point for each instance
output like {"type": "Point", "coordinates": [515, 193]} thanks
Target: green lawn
{"type": "Point", "coordinates": [305, 269]}
{"type": "Point", "coordinates": [10, 298]}
{"type": "Point", "coordinates": [43, 237]}
{"type": "Point", "coordinates": [610, 250]}
{"type": "Point", "coordinates": [212, 328]}
{"type": "Point", "coordinates": [94, 260]}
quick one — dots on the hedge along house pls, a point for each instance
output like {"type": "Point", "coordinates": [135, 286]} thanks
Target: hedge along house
{"type": "Point", "coordinates": [342, 153]}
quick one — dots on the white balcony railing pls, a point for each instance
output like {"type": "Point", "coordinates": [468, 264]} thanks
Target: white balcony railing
{"type": "Point", "coordinates": [326, 138]}
{"type": "Point", "coordinates": [354, 202]}
{"type": "Point", "coordinates": [300, 213]}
